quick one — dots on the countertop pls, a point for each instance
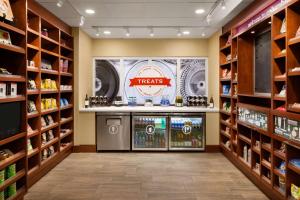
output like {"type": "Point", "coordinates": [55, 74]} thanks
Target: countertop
{"type": "Point", "coordinates": [139, 109]}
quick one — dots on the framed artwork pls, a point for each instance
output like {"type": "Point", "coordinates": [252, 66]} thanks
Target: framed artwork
{"type": "Point", "coordinates": [6, 11]}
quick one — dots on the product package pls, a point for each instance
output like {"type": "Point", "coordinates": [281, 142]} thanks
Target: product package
{"type": "Point", "coordinates": [295, 191]}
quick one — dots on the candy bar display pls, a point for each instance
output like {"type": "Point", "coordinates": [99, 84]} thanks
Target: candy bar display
{"type": "Point", "coordinates": [295, 191]}
{"type": "Point", "coordinates": [255, 118]}
{"type": "Point", "coordinates": [46, 153]}
{"type": "Point", "coordinates": [31, 108]}
{"type": "Point", "coordinates": [31, 85]}
{"type": "Point", "coordinates": [46, 121]}
{"type": "Point", "coordinates": [48, 84]}
{"type": "Point", "coordinates": [287, 128]}
{"type": "Point", "coordinates": [197, 101]}
{"type": "Point", "coordinates": [47, 136]}
{"type": "Point", "coordinates": [64, 102]}
{"type": "Point", "coordinates": [48, 103]}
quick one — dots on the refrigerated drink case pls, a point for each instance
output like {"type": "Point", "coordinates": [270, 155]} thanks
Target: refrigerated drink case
{"type": "Point", "coordinates": [150, 133]}
{"type": "Point", "coordinates": [187, 132]}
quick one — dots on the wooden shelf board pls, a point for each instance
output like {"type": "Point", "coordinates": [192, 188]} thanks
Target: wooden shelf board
{"type": "Point", "coordinates": [66, 58]}
{"type": "Point", "coordinates": [32, 134]}
{"type": "Point", "coordinates": [33, 170]}
{"type": "Point", "coordinates": [280, 36]}
{"type": "Point", "coordinates": [279, 154]}
{"type": "Point", "coordinates": [12, 99]}
{"type": "Point", "coordinates": [225, 123]}
{"type": "Point", "coordinates": [49, 143]}
{"type": "Point", "coordinates": [61, 136]}
{"type": "Point", "coordinates": [224, 112]}
{"type": "Point", "coordinates": [69, 119]}
{"type": "Point", "coordinates": [244, 138]}
{"type": "Point", "coordinates": [43, 91]}
{"type": "Point", "coordinates": [255, 96]}
{"type": "Point", "coordinates": [279, 79]}
{"type": "Point", "coordinates": [33, 69]}
{"type": "Point", "coordinates": [13, 179]}
{"type": "Point", "coordinates": [253, 127]}
{"type": "Point", "coordinates": [279, 191]}
{"type": "Point", "coordinates": [244, 162]}
{"type": "Point", "coordinates": [33, 92]}
{"type": "Point", "coordinates": [44, 162]}
{"type": "Point", "coordinates": [19, 195]}
{"type": "Point", "coordinates": [11, 28]}
{"type": "Point", "coordinates": [225, 63]}
{"type": "Point", "coordinates": [47, 128]}
{"type": "Point", "coordinates": [225, 47]}
{"type": "Point", "coordinates": [12, 159]}
{"type": "Point", "coordinates": [50, 53]}
{"type": "Point", "coordinates": [225, 134]}
{"type": "Point", "coordinates": [66, 148]}
{"type": "Point", "coordinates": [66, 74]}
{"type": "Point", "coordinates": [66, 48]}
{"type": "Point", "coordinates": [266, 164]}
{"type": "Point", "coordinates": [295, 73]}
{"type": "Point", "coordinates": [294, 168]}
{"type": "Point", "coordinates": [256, 150]}
{"type": "Point", "coordinates": [45, 112]}
{"type": "Point", "coordinates": [225, 96]}
{"type": "Point", "coordinates": [12, 138]}
{"type": "Point", "coordinates": [279, 98]}
{"type": "Point", "coordinates": [266, 147]}
{"type": "Point", "coordinates": [33, 115]}
{"type": "Point", "coordinates": [32, 152]}
{"type": "Point", "coordinates": [33, 47]}
{"type": "Point", "coordinates": [266, 180]}
{"type": "Point", "coordinates": [225, 79]}
{"type": "Point", "coordinates": [234, 60]}
{"type": "Point", "coordinates": [294, 109]}
{"type": "Point", "coordinates": [66, 107]}
{"type": "Point", "coordinates": [30, 30]}
{"type": "Point", "coordinates": [12, 78]}
{"type": "Point", "coordinates": [294, 41]}
{"type": "Point", "coordinates": [66, 91]}
{"type": "Point", "coordinates": [278, 173]}
{"type": "Point", "coordinates": [280, 56]}
{"type": "Point", "coordinates": [12, 48]}
{"type": "Point", "coordinates": [49, 71]}
{"type": "Point", "coordinates": [49, 39]}
{"type": "Point", "coordinates": [225, 147]}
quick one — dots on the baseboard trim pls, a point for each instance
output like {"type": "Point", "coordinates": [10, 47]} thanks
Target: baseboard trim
{"type": "Point", "coordinates": [212, 149]}
{"type": "Point", "coordinates": [92, 149]}
{"type": "Point", "coordinates": [84, 149]}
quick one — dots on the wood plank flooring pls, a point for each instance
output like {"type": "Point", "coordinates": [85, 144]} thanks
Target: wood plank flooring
{"type": "Point", "coordinates": [145, 176]}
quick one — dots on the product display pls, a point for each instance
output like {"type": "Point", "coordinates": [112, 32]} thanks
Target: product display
{"type": "Point", "coordinates": [211, 102]}
{"type": "Point", "coordinates": [46, 121]}
{"type": "Point", "coordinates": [226, 73]}
{"type": "Point", "coordinates": [46, 64]}
{"type": "Point", "coordinates": [47, 136]}
{"type": "Point", "coordinates": [226, 89]}
{"type": "Point", "coordinates": [31, 108]}
{"type": "Point", "coordinates": [48, 84]}
{"type": "Point", "coordinates": [97, 101]}
{"type": "Point", "coordinates": [64, 65]}
{"type": "Point", "coordinates": [118, 101]}
{"type": "Point", "coordinates": [64, 132]}
{"type": "Point", "coordinates": [283, 26]}
{"type": "Point", "coordinates": [179, 101]}
{"type": "Point", "coordinates": [48, 103]}
{"type": "Point", "coordinates": [86, 101]}
{"type": "Point", "coordinates": [197, 101]}
{"type": "Point", "coordinates": [165, 100]}
{"type": "Point", "coordinates": [148, 102]}
{"type": "Point", "coordinates": [2, 89]}
{"type": "Point", "coordinates": [287, 128]}
{"type": "Point", "coordinates": [258, 119]}
{"type": "Point", "coordinates": [295, 191]}
{"type": "Point", "coordinates": [45, 32]}
{"type": "Point", "coordinates": [63, 102]}
{"type": "Point", "coordinates": [48, 152]}
{"type": "Point", "coordinates": [226, 106]}
{"type": "Point", "coordinates": [29, 145]}
{"type": "Point", "coordinates": [5, 37]}
{"type": "Point", "coordinates": [66, 87]}
{"type": "Point", "coordinates": [31, 85]}
{"type": "Point", "coordinates": [282, 92]}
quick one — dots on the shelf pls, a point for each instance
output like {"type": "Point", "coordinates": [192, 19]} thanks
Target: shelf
{"type": "Point", "coordinates": [33, 69]}
{"type": "Point", "coordinates": [255, 96]}
{"type": "Point", "coordinates": [49, 39]}
{"type": "Point", "coordinates": [244, 162]}
{"type": "Point", "coordinates": [279, 154]}
{"type": "Point", "coordinates": [49, 143]}
{"type": "Point", "coordinates": [33, 47]}
{"type": "Point", "coordinates": [33, 133]}
{"type": "Point", "coordinates": [49, 91]}
{"type": "Point", "coordinates": [244, 138]}
{"type": "Point", "coordinates": [45, 112]}
{"type": "Point", "coordinates": [280, 36]}
{"type": "Point", "coordinates": [225, 63]}
{"type": "Point", "coordinates": [62, 136]}
{"type": "Point", "coordinates": [47, 128]}
{"type": "Point", "coordinates": [267, 180]}
{"type": "Point", "coordinates": [12, 159]}
{"type": "Point", "coordinates": [66, 48]}
{"type": "Point", "coordinates": [225, 96]}
{"type": "Point", "coordinates": [69, 119]}
{"type": "Point", "coordinates": [250, 126]}
{"type": "Point", "coordinates": [12, 138]}
{"type": "Point", "coordinates": [66, 148]}
{"type": "Point", "coordinates": [278, 173]}
{"type": "Point", "coordinates": [32, 152]}
{"type": "Point", "coordinates": [33, 31]}
{"type": "Point", "coordinates": [13, 179]}
{"type": "Point", "coordinates": [256, 150]}
{"type": "Point", "coordinates": [12, 48]}
{"type": "Point", "coordinates": [294, 41]}
{"type": "Point", "coordinates": [225, 47]}
{"type": "Point", "coordinates": [33, 170]}
{"type": "Point", "coordinates": [279, 79]}
{"type": "Point", "coordinates": [44, 162]}
{"type": "Point", "coordinates": [66, 107]}
{"type": "Point", "coordinates": [19, 195]}
{"type": "Point", "coordinates": [225, 79]}
{"type": "Point", "coordinates": [66, 58]}
{"type": "Point", "coordinates": [225, 112]}
{"type": "Point", "coordinates": [267, 164]}
{"type": "Point", "coordinates": [33, 115]}
{"type": "Point", "coordinates": [33, 92]}
{"type": "Point", "coordinates": [49, 71]}
{"type": "Point", "coordinates": [12, 99]}
{"type": "Point", "coordinates": [225, 123]}
{"type": "Point", "coordinates": [66, 74]}
{"type": "Point", "coordinates": [66, 91]}
{"type": "Point", "coordinates": [279, 98]}
{"type": "Point", "coordinates": [266, 147]}
{"type": "Point", "coordinates": [280, 56]}
{"type": "Point", "coordinates": [295, 73]}
{"type": "Point", "coordinates": [278, 190]}
{"type": "Point", "coordinates": [225, 147]}
{"type": "Point", "coordinates": [9, 28]}
{"type": "Point", "coordinates": [294, 109]}
{"type": "Point", "coordinates": [12, 78]}
{"type": "Point", "coordinates": [225, 134]}
{"type": "Point", "coordinates": [294, 168]}
{"type": "Point", "coordinates": [50, 53]}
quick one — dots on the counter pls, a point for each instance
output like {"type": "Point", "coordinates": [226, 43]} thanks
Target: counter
{"type": "Point", "coordinates": [136, 109]}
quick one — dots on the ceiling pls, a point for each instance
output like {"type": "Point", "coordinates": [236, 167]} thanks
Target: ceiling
{"type": "Point", "coordinates": [165, 16]}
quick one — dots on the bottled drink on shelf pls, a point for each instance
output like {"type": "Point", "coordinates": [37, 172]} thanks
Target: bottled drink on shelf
{"type": "Point", "coordinates": [86, 101]}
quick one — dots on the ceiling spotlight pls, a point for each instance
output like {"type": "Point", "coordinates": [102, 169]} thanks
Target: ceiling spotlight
{"type": "Point", "coordinates": [199, 11]}
{"type": "Point", "coordinates": [252, 32]}
{"type": "Point", "coordinates": [151, 32]}
{"type": "Point", "coordinates": [107, 32]}
{"type": "Point", "coordinates": [82, 20]}
{"type": "Point", "coordinates": [223, 5]}
{"type": "Point", "coordinates": [186, 32]}
{"type": "Point", "coordinates": [127, 32]}
{"type": "Point", "coordinates": [270, 22]}
{"type": "Point", "coordinates": [203, 34]}
{"type": "Point", "coordinates": [89, 11]}
{"type": "Point", "coordinates": [60, 3]}
{"type": "Point", "coordinates": [208, 18]}
{"type": "Point", "coordinates": [98, 32]}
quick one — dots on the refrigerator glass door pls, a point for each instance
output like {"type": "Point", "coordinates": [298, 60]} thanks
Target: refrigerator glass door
{"type": "Point", "coordinates": [150, 133]}
{"type": "Point", "coordinates": [187, 133]}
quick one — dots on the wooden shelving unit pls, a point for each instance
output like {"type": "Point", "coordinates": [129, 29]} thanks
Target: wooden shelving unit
{"type": "Point", "coordinates": [13, 59]}
{"type": "Point", "coordinates": [51, 48]}
{"type": "Point", "coordinates": [270, 149]}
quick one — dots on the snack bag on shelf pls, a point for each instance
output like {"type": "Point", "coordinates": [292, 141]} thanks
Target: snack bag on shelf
{"type": "Point", "coordinates": [295, 191]}
{"type": "Point", "coordinates": [53, 85]}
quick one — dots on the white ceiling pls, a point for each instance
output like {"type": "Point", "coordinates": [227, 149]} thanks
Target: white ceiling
{"type": "Point", "coordinates": [146, 13]}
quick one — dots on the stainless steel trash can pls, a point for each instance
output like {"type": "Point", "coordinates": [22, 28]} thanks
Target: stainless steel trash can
{"type": "Point", "coordinates": [113, 131]}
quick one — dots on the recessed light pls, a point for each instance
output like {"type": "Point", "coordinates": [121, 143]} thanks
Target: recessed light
{"type": "Point", "coordinates": [252, 32]}
{"type": "Point", "coordinates": [90, 11]}
{"type": "Point", "coordinates": [203, 34]}
{"type": "Point", "coordinates": [186, 32]}
{"type": "Point", "coordinates": [106, 32]}
{"type": "Point", "coordinates": [270, 22]}
{"type": "Point", "coordinates": [127, 34]}
{"type": "Point", "coordinates": [151, 34]}
{"type": "Point", "coordinates": [60, 3]}
{"type": "Point", "coordinates": [199, 11]}
{"type": "Point", "coordinates": [223, 5]}
{"type": "Point", "coordinates": [82, 20]}
{"type": "Point", "coordinates": [97, 34]}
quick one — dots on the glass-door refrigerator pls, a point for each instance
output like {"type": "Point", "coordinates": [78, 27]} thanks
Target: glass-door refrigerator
{"type": "Point", "coordinates": [150, 133]}
{"type": "Point", "coordinates": [187, 132]}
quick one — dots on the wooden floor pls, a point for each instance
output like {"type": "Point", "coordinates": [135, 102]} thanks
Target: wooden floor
{"type": "Point", "coordinates": [145, 176]}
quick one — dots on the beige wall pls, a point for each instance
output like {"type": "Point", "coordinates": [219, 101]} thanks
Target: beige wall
{"type": "Point", "coordinates": [89, 48]}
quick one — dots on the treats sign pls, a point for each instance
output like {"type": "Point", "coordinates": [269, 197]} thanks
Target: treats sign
{"type": "Point", "coordinates": [150, 82]}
